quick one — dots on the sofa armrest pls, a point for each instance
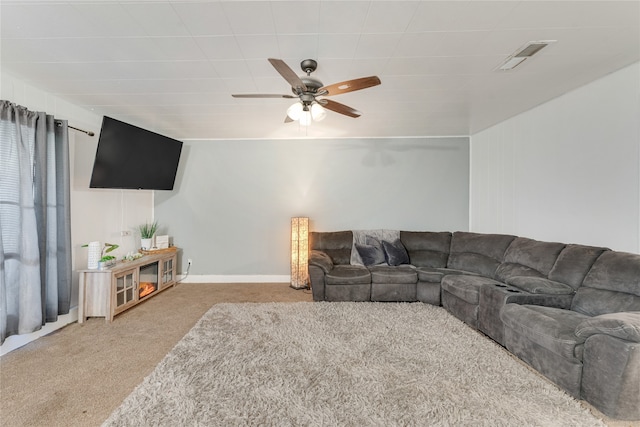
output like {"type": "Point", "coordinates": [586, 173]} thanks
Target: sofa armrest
{"type": "Point", "coordinates": [624, 325]}
{"type": "Point", "coordinates": [321, 259]}
{"type": "Point", "coordinates": [610, 372]}
{"type": "Point", "coordinates": [540, 285]}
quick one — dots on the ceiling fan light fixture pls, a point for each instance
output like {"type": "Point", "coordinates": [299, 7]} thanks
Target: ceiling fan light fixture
{"type": "Point", "coordinates": [295, 111]}
{"type": "Point", "coordinates": [305, 117]}
{"type": "Point", "coordinates": [318, 113]}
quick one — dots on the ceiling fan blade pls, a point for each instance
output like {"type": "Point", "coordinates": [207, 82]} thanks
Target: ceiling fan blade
{"type": "Point", "coordinates": [288, 74]}
{"type": "Point", "coordinates": [350, 85]}
{"type": "Point", "coordinates": [339, 108]}
{"type": "Point", "coordinates": [261, 95]}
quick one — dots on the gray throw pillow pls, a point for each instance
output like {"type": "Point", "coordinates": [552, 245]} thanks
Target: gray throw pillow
{"type": "Point", "coordinates": [395, 253]}
{"type": "Point", "coordinates": [371, 252]}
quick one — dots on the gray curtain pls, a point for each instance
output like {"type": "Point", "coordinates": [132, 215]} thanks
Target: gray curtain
{"type": "Point", "coordinates": [35, 230]}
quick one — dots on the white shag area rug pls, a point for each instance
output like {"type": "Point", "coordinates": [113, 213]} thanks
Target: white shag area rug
{"type": "Point", "coordinates": [342, 364]}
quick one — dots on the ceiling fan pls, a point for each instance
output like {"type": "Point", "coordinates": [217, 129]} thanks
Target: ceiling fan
{"type": "Point", "coordinates": [308, 89]}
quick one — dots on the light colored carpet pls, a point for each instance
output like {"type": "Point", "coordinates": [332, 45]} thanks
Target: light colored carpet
{"type": "Point", "coordinates": [78, 375]}
{"type": "Point", "coordinates": [342, 364]}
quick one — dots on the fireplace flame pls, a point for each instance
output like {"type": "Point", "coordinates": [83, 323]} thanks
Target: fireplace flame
{"type": "Point", "coordinates": [146, 288]}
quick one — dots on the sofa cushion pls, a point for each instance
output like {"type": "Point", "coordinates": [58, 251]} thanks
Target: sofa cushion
{"type": "Point", "coordinates": [625, 326]}
{"type": "Point", "coordinates": [371, 253]}
{"type": "Point", "coordinates": [321, 259]}
{"type": "Point", "coordinates": [612, 285]}
{"type": "Point", "coordinates": [402, 274]}
{"type": "Point", "coordinates": [551, 328]}
{"type": "Point", "coordinates": [395, 252]}
{"type": "Point", "coordinates": [574, 263]}
{"type": "Point", "coordinates": [540, 285]}
{"type": "Point", "coordinates": [528, 257]}
{"type": "Point", "coordinates": [506, 270]}
{"type": "Point", "coordinates": [465, 287]}
{"type": "Point", "coordinates": [478, 253]}
{"type": "Point", "coordinates": [615, 271]}
{"type": "Point", "coordinates": [426, 248]}
{"type": "Point", "coordinates": [336, 244]}
{"type": "Point", "coordinates": [348, 275]}
{"type": "Point", "coordinates": [594, 302]}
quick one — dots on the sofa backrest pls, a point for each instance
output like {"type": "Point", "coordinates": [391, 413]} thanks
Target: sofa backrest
{"type": "Point", "coordinates": [426, 248]}
{"type": "Point", "coordinates": [478, 253]}
{"type": "Point", "coordinates": [573, 264]}
{"type": "Point", "coordinates": [336, 244]}
{"type": "Point", "coordinates": [528, 257]}
{"type": "Point", "coordinates": [612, 285]}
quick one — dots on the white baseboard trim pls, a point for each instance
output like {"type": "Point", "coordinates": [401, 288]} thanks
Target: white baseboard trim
{"type": "Point", "coordinates": [16, 341]}
{"type": "Point", "coordinates": [219, 278]}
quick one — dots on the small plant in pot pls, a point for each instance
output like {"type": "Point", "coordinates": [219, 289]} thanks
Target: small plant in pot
{"type": "Point", "coordinates": [106, 261]}
{"type": "Point", "coordinates": [147, 231]}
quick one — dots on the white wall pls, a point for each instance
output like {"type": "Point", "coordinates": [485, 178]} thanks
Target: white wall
{"type": "Point", "coordinates": [568, 170]}
{"type": "Point", "coordinates": [95, 214]}
{"type": "Point", "coordinates": [231, 208]}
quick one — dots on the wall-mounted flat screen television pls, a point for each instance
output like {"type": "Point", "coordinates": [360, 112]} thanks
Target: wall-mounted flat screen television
{"type": "Point", "coordinates": [130, 157]}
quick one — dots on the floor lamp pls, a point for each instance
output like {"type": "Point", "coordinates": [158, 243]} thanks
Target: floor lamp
{"type": "Point", "coordinates": [299, 252]}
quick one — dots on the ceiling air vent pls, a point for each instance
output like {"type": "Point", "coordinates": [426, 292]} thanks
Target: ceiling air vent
{"type": "Point", "coordinates": [526, 51]}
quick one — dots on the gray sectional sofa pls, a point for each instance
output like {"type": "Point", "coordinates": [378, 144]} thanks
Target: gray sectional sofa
{"type": "Point", "coordinates": [570, 311]}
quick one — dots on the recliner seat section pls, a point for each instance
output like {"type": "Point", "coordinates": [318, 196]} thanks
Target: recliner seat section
{"type": "Point", "coordinates": [570, 311]}
{"type": "Point", "coordinates": [429, 252]}
{"type": "Point", "coordinates": [523, 258]}
{"type": "Point", "coordinates": [348, 283]}
{"type": "Point", "coordinates": [479, 254]}
{"type": "Point", "coordinates": [390, 283]}
{"type": "Point", "coordinates": [544, 337]}
{"type": "Point", "coordinates": [592, 350]}
{"type": "Point", "coordinates": [557, 290]}
{"type": "Point", "coordinates": [326, 251]}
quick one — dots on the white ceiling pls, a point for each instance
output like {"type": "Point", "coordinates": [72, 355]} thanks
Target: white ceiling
{"type": "Point", "coordinates": [171, 66]}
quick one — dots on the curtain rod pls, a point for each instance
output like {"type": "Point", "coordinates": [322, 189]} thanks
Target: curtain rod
{"type": "Point", "coordinates": [88, 132]}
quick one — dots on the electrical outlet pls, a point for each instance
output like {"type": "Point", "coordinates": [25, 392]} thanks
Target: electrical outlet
{"type": "Point", "coordinates": [189, 262]}
{"type": "Point", "coordinates": [125, 233]}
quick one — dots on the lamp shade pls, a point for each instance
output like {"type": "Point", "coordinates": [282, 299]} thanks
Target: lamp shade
{"type": "Point", "coordinates": [294, 111]}
{"type": "Point", "coordinates": [318, 112]}
{"type": "Point", "coordinates": [299, 252]}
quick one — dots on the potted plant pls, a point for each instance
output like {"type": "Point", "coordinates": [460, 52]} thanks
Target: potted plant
{"type": "Point", "coordinates": [147, 231]}
{"type": "Point", "coordinates": [106, 261]}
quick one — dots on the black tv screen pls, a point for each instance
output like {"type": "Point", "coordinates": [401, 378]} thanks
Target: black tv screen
{"type": "Point", "coordinates": [130, 157]}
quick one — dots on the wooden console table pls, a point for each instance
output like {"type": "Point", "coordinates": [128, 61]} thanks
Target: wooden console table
{"type": "Point", "coordinates": [108, 292]}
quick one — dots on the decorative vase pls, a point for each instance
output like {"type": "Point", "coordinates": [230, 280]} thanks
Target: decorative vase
{"type": "Point", "coordinates": [94, 255]}
{"type": "Point", "coordinates": [146, 244]}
